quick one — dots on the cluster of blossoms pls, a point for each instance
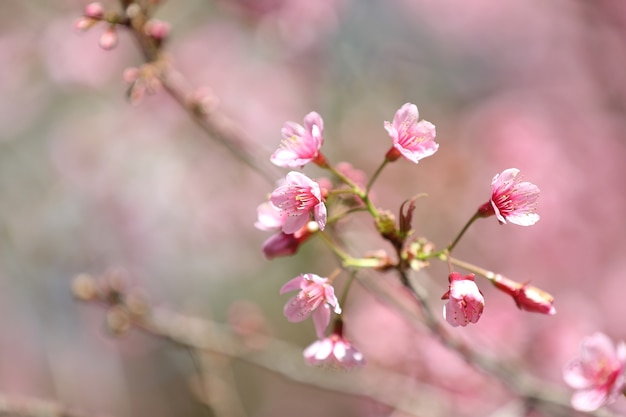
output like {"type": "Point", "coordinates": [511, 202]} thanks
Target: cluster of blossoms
{"type": "Point", "coordinates": [298, 209]}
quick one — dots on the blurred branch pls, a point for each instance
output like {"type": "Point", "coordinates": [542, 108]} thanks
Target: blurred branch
{"type": "Point", "coordinates": [35, 407]}
{"type": "Point", "coordinates": [216, 124]}
{"type": "Point", "coordinates": [221, 343]}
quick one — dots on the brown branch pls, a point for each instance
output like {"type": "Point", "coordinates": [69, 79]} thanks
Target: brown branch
{"type": "Point", "coordinates": [216, 124]}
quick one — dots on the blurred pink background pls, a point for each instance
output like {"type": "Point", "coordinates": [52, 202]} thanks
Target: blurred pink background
{"type": "Point", "coordinates": [89, 182]}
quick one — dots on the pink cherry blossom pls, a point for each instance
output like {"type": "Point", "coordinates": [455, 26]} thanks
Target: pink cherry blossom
{"type": "Point", "coordinates": [511, 199]}
{"type": "Point", "coordinates": [412, 139]}
{"type": "Point", "coordinates": [301, 144]}
{"type": "Point", "coordinates": [597, 374]}
{"type": "Point", "coordinates": [333, 350]}
{"type": "Point", "coordinates": [297, 198]}
{"type": "Point", "coordinates": [465, 301]}
{"type": "Point", "coordinates": [316, 297]}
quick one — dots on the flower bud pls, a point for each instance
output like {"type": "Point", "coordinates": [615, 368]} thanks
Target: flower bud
{"type": "Point", "coordinates": [526, 296]}
{"type": "Point", "coordinates": [108, 40]}
{"type": "Point", "coordinates": [94, 11]}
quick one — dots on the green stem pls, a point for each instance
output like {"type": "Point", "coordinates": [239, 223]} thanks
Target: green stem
{"type": "Point", "coordinates": [375, 176]}
{"type": "Point", "coordinates": [336, 250]}
{"type": "Point", "coordinates": [357, 190]}
{"type": "Point", "coordinates": [346, 289]}
{"type": "Point", "coordinates": [462, 232]}
{"type": "Point", "coordinates": [347, 260]}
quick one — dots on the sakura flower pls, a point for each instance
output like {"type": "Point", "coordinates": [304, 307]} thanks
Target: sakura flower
{"type": "Point", "coordinates": [598, 374]}
{"type": "Point", "coordinates": [316, 297]}
{"type": "Point", "coordinates": [511, 199]}
{"type": "Point", "coordinates": [334, 350]}
{"type": "Point", "coordinates": [465, 301]}
{"type": "Point", "coordinates": [297, 197]}
{"type": "Point", "coordinates": [526, 296]}
{"type": "Point", "coordinates": [412, 139]}
{"type": "Point", "coordinates": [301, 144]}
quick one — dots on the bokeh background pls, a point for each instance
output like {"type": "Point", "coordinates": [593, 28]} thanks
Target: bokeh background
{"type": "Point", "coordinates": [89, 182]}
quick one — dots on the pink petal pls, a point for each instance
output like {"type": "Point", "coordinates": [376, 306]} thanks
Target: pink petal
{"type": "Point", "coordinates": [296, 311]}
{"type": "Point", "coordinates": [294, 223]}
{"type": "Point", "coordinates": [319, 212]}
{"type": "Point", "coordinates": [589, 400]}
{"type": "Point", "coordinates": [406, 114]}
{"type": "Point", "coordinates": [292, 284]}
{"type": "Point", "coordinates": [321, 318]}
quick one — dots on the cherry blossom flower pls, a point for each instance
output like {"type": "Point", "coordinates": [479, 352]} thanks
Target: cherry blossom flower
{"type": "Point", "coordinates": [297, 197]}
{"type": "Point", "coordinates": [511, 199]}
{"type": "Point", "coordinates": [412, 139]}
{"type": "Point", "coordinates": [526, 296]}
{"type": "Point", "coordinates": [597, 374]}
{"type": "Point", "coordinates": [465, 301]}
{"type": "Point", "coordinates": [301, 144]}
{"type": "Point", "coordinates": [316, 297]}
{"type": "Point", "coordinates": [333, 350]}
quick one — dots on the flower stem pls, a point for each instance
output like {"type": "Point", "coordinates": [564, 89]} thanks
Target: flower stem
{"type": "Point", "coordinates": [375, 176]}
{"type": "Point", "coordinates": [472, 268]}
{"type": "Point", "coordinates": [462, 232]}
{"type": "Point", "coordinates": [357, 190]}
{"type": "Point", "coordinates": [344, 295]}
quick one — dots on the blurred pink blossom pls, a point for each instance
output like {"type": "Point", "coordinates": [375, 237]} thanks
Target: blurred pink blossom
{"type": "Point", "coordinates": [298, 197]}
{"type": "Point", "coordinates": [94, 10]}
{"type": "Point", "coordinates": [301, 144]}
{"type": "Point", "coordinates": [108, 39]}
{"type": "Point", "coordinates": [465, 301]}
{"type": "Point", "coordinates": [412, 139]}
{"type": "Point", "coordinates": [334, 350]}
{"type": "Point", "coordinates": [597, 374]}
{"type": "Point", "coordinates": [512, 199]}
{"type": "Point", "coordinates": [315, 298]}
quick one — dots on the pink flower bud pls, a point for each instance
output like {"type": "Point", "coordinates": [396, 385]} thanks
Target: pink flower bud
{"type": "Point", "coordinates": [84, 23]}
{"type": "Point", "coordinates": [94, 11]}
{"type": "Point", "coordinates": [465, 302]}
{"type": "Point", "coordinates": [131, 74]}
{"type": "Point", "coordinates": [157, 29]}
{"type": "Point", "coordinates": [526, 296]}
{"type": "Point", "coordinates": [108, 40]}
{"type": "Point", "coordinates": [280, 244]}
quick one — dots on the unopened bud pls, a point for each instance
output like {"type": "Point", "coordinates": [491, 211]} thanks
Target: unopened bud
{"type": "Point", "coordinates": [526, 296]}
{"type": "Point", "coordinates": [84, 287]}
{"type": "Point", "coordinates": [157, 29]}
{"type": "Point", "coordinates": [108, 40]}
{"type": "Point", "coordinates": [94, 11]}
{"type": "Point", "coordinates": [118, 320]}
{"type": "Point", "coordinates": [84, 23]}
